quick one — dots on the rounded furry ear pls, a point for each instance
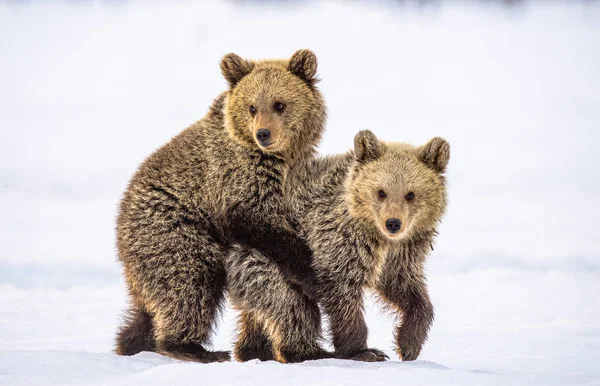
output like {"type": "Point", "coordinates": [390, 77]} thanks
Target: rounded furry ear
{"type": "Point", "coordinates": [435, 154]}
{"type": "Point", "coordinates": [366, 146]}
{"type": "Point", "coordinates": [235, 68]}
{"type": "Point", "coordinates": [303, 64]}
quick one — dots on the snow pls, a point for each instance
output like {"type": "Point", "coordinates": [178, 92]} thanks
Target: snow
{"type": "Point", "coordinates": [88, 89]}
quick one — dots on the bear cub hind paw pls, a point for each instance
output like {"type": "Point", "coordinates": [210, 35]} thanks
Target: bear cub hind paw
{"type": "Point", "coordinates": [192, 352]}
{"type": "Point", "coordinates": [369, 355]}
{"type": "Point", "coordinates": [296, 357]}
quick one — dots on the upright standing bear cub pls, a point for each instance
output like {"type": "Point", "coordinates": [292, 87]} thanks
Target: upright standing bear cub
{"type": "Point", "coordinates": [216, 185]}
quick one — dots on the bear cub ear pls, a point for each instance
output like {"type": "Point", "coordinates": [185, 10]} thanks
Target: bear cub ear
{"type": "Point", "coordinates": [303, 64]}
{"type": "Point", "coordinates": [366, 146]}
{"type": "Point", "coordinates": [435, 154]}
{"type": "Point", "coordinates": [235, 68]}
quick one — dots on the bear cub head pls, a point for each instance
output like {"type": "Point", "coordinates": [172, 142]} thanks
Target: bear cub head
{"type": "Point", "coordinates": [397, 188]}
{"type": "Point", "coordinates": [273, 105]}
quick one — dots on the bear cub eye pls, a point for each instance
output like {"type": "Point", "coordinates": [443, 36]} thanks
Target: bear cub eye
{"type": "Point", "coordinates": [410, 196]}
{"type": "Point", "coordinates": [278, 106]}
{"type": "Point", "coordinates": [382, 194]}
{"type": "Point", "coordinates": [252, 110]}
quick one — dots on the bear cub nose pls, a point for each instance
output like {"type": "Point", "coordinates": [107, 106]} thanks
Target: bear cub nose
{"type": "Point", "coordinates": [393, 225]}
{"type": "Point", "coordinates": [263, 136]}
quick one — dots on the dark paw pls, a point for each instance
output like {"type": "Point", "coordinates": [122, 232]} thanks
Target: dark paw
{"type": "Point", "coordinates": [369, 355]}
{"type": "Point", "coordinates": [192, 352]}
{"type": "Point", "coordinates": [244, 354]}
{"type": "Point", "coordinates": [408, 352]}
{"type": "Point", "coordinates": [218, 356]}
{"type": "Point", "coordinates": [310, 292]}
{"type": "Point", "coordinates": [322, 354]}
{"type": "Point", "coordinates": [297, 357]}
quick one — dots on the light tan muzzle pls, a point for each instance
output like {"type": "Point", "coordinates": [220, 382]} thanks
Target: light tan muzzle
{"type": "Point", "coordinates": [266, 130]}
{"type": "Point", "coordinates": [394, 219]}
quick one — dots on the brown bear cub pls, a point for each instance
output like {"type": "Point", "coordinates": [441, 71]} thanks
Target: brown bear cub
{"type": "Point", "coordinates": [370, 217]}
{"type": "Point", "coordinates": [216, 187]}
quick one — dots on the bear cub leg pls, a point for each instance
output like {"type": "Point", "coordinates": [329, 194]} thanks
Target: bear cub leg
{"type": "Point", "coordinates": [292, 321]}
{"type": "Point", "coordinates": [252, 342]}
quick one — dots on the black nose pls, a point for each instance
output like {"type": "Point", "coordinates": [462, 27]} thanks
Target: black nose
{"type": "Point", "coordinates": [263, 136]}
{"type": "Point", "coordinates": [393, 225]}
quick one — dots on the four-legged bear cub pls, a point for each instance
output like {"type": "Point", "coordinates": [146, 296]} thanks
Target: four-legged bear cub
{"type": "Point", "coordinates": [369, 217]}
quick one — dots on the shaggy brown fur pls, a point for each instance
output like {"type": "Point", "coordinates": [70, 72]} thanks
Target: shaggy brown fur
{"type": "Point", "coordinates": [271, 306]}
{"type": "Point", "coordinates": [343, 203]}
{"type": "Point", "coordinates": [212, 189]}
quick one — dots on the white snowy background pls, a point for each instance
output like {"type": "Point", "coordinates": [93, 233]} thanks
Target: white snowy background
{"type": "Point", "coordinates": [89, 89]}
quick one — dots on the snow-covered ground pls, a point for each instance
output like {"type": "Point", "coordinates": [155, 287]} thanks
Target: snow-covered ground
{"type": "Point", "coordinates": [88, 89]}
